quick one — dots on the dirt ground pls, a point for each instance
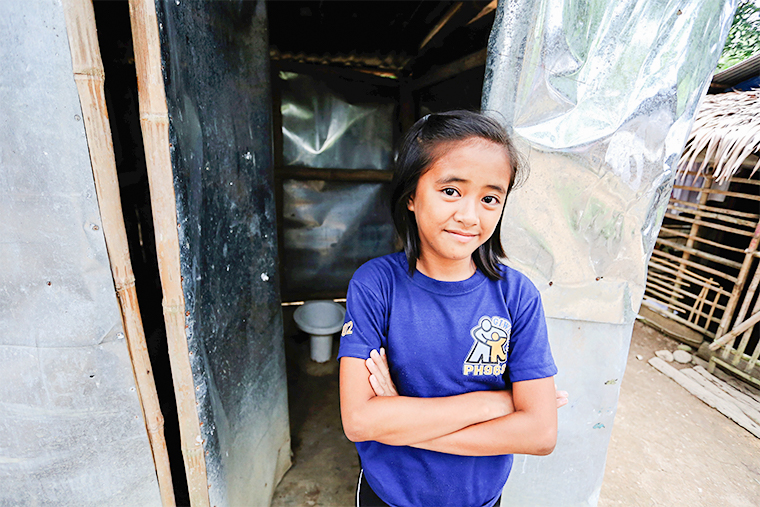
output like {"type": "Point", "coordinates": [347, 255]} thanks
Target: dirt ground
{"type": "Point", "coordinates": [667, 447]}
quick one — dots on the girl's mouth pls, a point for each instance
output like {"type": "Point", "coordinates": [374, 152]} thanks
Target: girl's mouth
{"type": "Point", "coordinates": [464, 237]}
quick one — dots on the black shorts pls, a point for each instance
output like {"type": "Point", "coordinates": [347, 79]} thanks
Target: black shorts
{"type": "Point", "coordinates": [366, 497]}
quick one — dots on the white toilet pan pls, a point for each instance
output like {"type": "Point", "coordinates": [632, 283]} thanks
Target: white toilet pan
{"type": "Point", "coordinates": [321, 319]}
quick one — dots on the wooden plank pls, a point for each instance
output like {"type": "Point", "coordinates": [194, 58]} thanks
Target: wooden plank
{"type": "Point", "coordinates": [696, 265]}
{"type": "Point", "coordinates": [441, 23]}
{"type": "Point", "coordinates": [699, 253]}
{"type": "Point", "coordinates": [314, 173]}
{"type": "Point", "coordinates": [691, 276]}
{"type": "Point", "coordinates": [752, 216]}
{"type": "Point", "coordinates": [154, 121]}
{"type": "Point", "coordinates": [735, 393]}
{"type": "Point", "coordinates": [441, 73]}
{"type": "Point", "coordinates": [719, 192]}
{"type": "Point", "coordinates": [678, 233]}
{"type": "Point", "coordinates": [699, 379]}
{"type": "Point", "coordinates": [488, 9]}
{"type": "Point", "coordinates": [730, 410]}
{"type": "Point", "coordinates": [723, 217]}
{"type": "Point", "coordinates": [654, 317]}
{"type": "Point", "coordinates": [89, 77]}
{"type": "Point", "coordinates": [711, 225]}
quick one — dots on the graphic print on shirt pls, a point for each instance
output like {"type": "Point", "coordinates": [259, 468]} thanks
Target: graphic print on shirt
{"type": "Point", "coordinates": [488, 355]}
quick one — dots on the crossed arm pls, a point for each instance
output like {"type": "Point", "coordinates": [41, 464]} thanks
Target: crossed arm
{"type": "Point", "coordinates": [481, 423]}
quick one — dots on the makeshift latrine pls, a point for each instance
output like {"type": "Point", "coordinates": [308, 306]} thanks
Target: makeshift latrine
{"type": "Point", "coordinates": [234, 140]}
{"type": "Point", "coordinates": [703, 276]}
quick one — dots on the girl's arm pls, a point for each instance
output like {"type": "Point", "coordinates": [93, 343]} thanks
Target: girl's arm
{"type": "Point", "coordinates": [401, 420]}
{"type": "Point", "coordinates": [531, 429]}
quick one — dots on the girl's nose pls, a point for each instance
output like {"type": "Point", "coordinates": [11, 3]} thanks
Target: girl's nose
{"type": "Point", "coordinates": [466, 213]}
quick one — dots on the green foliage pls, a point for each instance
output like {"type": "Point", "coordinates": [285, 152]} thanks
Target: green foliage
{"type": "Point", "coordinates": [744, 37]}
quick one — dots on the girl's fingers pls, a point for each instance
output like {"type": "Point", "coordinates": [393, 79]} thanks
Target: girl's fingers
{"type": "Point", "coordinates": [376, 386]}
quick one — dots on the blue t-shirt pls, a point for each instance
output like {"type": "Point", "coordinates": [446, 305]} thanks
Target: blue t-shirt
{"type": "Point", "coordinates": [443, 339]}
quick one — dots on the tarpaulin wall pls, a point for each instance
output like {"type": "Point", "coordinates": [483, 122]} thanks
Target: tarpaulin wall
{"type": "Point", "coordinates": [71, 427]}
{"type": "Point", "coordinates": [216, 69]}
{"type": "Point", "coordinates": [601, 97]}
{"type": "Point", "coordinates": [330, 228]}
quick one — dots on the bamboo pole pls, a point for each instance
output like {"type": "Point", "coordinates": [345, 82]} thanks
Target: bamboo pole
{"type": "Point", "coordinates": [89, 77]}
{"type": "Point", "coordinates": [154, 120]}
{"type": "Point", "coordinates": [701, 267]}
{"type": "Point", "coordinates": [739, 329]}
{"type": "Point", "coordinates": [748, 297]}
{"type": "Point", "coordinates": [740, 280]}
{"type": "Point", "coordinates": [675, 232]}
{"type": "Point", "coordinates": [706, 181]}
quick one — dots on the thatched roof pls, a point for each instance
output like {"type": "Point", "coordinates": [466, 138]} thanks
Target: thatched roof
{"type": "Point", "coordinates": [726, 131]}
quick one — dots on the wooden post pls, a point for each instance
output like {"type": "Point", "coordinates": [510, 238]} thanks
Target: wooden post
{"type": "Point", "coordinates": [154, 120]}
{"type": "Point", "coordinates": [740, 317]}
{"type": "Point", "coordinates": [741, 278]}
{"type": "Point", "coordinates": [706, 183]}
{"type": "Point", "coordinates": [89, 77]}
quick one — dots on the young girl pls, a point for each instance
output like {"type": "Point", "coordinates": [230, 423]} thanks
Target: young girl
{"type": "Point", "coordinates": [468, 376]}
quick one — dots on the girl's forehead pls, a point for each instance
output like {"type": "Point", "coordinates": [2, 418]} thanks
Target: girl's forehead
{"type": "Point", "coordinates": [471, 150]}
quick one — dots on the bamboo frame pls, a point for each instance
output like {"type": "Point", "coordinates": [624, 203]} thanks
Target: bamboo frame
{"type": "Point", "coordinates": [154, 121]}
{"type": "Point", "coordinates": [89, 77]}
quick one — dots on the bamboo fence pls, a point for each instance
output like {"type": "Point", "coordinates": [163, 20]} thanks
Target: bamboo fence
{"type": "Point", "coordinates": [154, 120]}
{"type": "Point", "coordinates": [89, 77]}
{"type": "Point", "coordinates": [704, 257]}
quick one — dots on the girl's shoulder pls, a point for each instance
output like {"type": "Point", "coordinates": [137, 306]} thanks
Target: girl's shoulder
{"type": "Point", "coordinates": [381, 269]}
{"type": "Point", "coordinates": [516, 283]}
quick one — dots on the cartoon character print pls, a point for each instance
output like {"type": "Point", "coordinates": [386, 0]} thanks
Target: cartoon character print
{"type": "Point", "coordinates": [488, 355]}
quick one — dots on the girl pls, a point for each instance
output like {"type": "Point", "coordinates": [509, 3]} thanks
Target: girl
{"type": "Point", "coordinates": [468, 376]}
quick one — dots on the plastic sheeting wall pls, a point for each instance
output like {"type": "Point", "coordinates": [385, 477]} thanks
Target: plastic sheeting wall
{"type": "Point", "coordinates": [216, 58]}
{"type": "Point", "coordinates": [332, 228]}
{"type": "Point", "coordinates": [601, 96]}
{"type": "Point", "coordinates": [71, 427]}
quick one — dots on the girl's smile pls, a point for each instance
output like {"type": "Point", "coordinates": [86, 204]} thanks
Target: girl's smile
{"type": "Point", "coordinates": [457, 205]}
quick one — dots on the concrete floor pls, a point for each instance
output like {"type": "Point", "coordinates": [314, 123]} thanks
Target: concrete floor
{"type": "Point", "coordinates": [667, 447]}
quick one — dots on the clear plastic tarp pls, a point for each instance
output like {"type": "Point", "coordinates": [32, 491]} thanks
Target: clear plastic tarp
{"type": "Point", "coordinates": [332, 228]}
{"type": "Point", "coordinates": [323, 128]}
{"type": "Point", "coordinates": [601, 97]}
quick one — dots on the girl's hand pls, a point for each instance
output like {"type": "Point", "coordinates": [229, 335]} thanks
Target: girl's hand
{"type": "Point", "coordinates": [380, 375]}
{"type": "Point", "coordinates": [561, 397]}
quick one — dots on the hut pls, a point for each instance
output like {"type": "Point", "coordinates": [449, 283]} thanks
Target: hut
{"type": "Point", "coordinates": [703, 277]}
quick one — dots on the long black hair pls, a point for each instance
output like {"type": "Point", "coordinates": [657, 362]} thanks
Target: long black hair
{"type": "Point", "coordinates": [417, 152]}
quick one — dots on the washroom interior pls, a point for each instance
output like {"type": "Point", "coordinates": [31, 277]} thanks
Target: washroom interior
{"type": "Point", "coordinates": [347, 78]}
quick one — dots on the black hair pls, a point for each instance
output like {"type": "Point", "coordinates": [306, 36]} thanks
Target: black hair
{"type": "Point", "coordinates": [419, 149]}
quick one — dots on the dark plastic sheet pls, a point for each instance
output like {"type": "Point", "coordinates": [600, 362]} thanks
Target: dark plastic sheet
{"type": "Point", "coordinates": [216, 58]}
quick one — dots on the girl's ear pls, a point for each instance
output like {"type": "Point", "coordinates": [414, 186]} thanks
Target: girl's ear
{"type": "Point", "coordinates": [410, 204]}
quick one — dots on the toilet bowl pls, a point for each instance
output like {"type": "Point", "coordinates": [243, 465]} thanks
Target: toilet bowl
{"type": "Point", "coordinates": [321, 319]}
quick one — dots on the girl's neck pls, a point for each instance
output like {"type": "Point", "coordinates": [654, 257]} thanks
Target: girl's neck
{"type": "Point", "coordinates": [447, 271]}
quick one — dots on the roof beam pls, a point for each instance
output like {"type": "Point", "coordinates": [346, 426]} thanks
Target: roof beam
{"type": "Point", "coordinates": [441, 23]}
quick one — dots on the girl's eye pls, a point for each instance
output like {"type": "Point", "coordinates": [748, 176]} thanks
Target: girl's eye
{"type": "Point", "coordinates": [450, 192]}
{"type": "Point", "coordinates": [489, 199]}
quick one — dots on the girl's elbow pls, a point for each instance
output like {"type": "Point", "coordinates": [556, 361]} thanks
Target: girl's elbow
{"type": "Point", "coordinates": [546, 444]}
{"type": "Point", "coordinates": [353, 428]}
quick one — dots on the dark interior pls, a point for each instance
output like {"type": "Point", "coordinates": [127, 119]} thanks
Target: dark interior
{"type": "Point", "coordinates": [405, 59]}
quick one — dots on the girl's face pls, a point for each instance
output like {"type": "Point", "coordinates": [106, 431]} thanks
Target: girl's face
{"type": "Point", "coordinates": [457, 204]}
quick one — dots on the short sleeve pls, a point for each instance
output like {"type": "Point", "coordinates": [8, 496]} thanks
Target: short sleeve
{"type": "Point", "coordinates": [365, 324]}
{"type": "Point", "coordinates": [530, 356]}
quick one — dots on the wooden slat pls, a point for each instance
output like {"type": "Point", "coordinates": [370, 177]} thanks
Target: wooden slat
{"type": "Point", "coordinates": [438, 74]}
{"type": "Point", "coordinates": [672, 303]}
{"type": "Point", "coordinates": [711, 225]}
{"type": "Point", "coordinates": [89, 78]}
{"type": "Point", "coordinates": [441, 23]}
{"type": "Point", "coordinates": [740, 195]}
{"type": "Point", "coordinates": [687, 275]}
{"type": "Point", "coordinates": [678, 233]}
{"type": "Point", "coordinates": [717, 216]}
{"type": "Point", "coordinates": [699, 253]}
{"type": "Point", "coordinates": [751, 216]}
{"type": "Point", "coordinates": [314, 173]}
{"type": "Point", "coordinates": [649, 304]}
{"type": "Point", "coordinates": [701, 267]}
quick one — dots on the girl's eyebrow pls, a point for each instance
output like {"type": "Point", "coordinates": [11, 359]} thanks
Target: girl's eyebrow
{"type": "Point", "coordinates": [455, 179]}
